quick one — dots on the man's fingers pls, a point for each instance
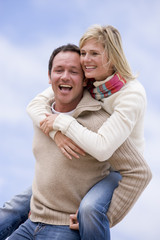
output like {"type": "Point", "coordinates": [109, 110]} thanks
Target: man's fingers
{"type": "Point", "coordinates": [74, 226]}
{"type": "Point", "coordinates": [73, 217]}
{"type": "Point", "coordinates": [73, 222]}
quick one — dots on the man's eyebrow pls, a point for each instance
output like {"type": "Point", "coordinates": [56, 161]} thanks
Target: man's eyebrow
{"type": "Point", "coordinates": [58, 66]}
{"type": "Point", "coordinates": [63, 66]}
{"type": "Point", "coordinates": [74, 67]}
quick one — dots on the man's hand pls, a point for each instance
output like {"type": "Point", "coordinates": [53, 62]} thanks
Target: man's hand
{"type": "Point", "coordinates": [47, 124]}
{"type": "Point", "coordinates": [67, 146]}
{"type": "Point", "coordinates": [74, 225]}
{"type": "Point", "coordinates": [29, 214]}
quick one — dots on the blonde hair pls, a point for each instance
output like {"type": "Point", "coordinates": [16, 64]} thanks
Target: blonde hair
{"type": "Point", "coordinates": [111, 40]}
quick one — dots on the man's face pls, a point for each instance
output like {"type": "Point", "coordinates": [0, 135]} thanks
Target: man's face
{"type": "Point", "coordinates": [67, 81]}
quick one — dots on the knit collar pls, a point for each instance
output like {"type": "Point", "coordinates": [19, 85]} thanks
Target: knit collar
{"type": "Point", "coordinates": [103, 89]}
{"type": "Point", "coordinates": [56, 112]}
{"type": "Point", "coordinates": [87, 103]}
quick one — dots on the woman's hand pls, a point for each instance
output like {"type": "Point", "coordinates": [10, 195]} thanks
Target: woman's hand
{"type": "Point", "coordinates": [74, 225]}
{"type": "Point", "coordinates": [47, 124]}
{"type": "Point", "coordinates": [67, 146]}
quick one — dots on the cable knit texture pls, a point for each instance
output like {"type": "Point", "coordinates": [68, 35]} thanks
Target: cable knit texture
{"type": "Point", "coordinates": [60, 183]}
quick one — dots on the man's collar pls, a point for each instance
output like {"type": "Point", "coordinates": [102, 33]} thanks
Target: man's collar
{"type": "Point", "coordinates": [56, 112]}
{"type": "Point", "coordinates": [87, 103]}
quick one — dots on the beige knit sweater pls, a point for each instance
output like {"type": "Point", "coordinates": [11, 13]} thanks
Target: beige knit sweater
{"type": "Point", "coordinates": [60, 184]}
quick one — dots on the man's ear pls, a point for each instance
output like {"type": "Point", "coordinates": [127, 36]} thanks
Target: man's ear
{"type": "Point", "coordinates": [85, 81]}
{"type": "Point", "coordinates": [49, 76]}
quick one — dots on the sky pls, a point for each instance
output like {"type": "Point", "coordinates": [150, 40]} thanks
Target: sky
{"type": "Point", "coordinates": [29, 32]}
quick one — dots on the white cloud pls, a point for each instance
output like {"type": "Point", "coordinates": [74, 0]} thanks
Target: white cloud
{"type": "Point", "coordinates": [19, 64]}
{"type": "Point", "coordinates": [24, 72]}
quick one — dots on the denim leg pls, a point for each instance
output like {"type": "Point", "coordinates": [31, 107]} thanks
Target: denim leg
{"type": "Point", "coordinates": [93, 221]}
{"type": "Point", "coordinates": [14, 212]}
{"type": "Point", "coordinates": [40, 231]}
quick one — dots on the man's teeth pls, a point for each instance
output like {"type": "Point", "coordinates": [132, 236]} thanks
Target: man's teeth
{"type": "Point", "coordinates": [68, 86]}
{"type": "Point", "coordinates": [65, 86]}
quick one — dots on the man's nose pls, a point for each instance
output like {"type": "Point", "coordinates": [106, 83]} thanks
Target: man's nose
{"type": "Point", "coordinates": [65, 75]}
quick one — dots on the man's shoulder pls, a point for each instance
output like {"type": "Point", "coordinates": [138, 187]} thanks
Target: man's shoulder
{"type": "Point", "coordinates": [88, 101]}
{"type": "Point", "coordinates": [87, 105]}
{"type": "Point", "coordinates": [90, 113]}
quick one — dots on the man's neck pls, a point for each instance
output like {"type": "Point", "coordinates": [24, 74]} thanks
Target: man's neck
{"type": "Point", "coordinates": [63, 111]}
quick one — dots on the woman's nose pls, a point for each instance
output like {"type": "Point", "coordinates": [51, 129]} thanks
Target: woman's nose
{"type": "Point", "coordinates": [87, 57]}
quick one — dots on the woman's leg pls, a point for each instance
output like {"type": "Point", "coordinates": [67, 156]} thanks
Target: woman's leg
{"type": "Point", "coordinates": [93, 221]}
{"type": "Point", "coordinates": [14, 212]}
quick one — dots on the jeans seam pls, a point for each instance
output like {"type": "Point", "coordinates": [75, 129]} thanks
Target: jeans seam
{"type": "Point", "coordinates": [104, 210]}
{"type": "Point", "coordinates": [39, 227]}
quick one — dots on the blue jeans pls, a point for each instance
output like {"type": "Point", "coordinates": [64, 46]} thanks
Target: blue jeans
{"type": "Point", "coordinates": [14, 213]}
{"type": "Point", "coordinates": [40, 231]}
{"type": "Point", "coordinates": [93, 222]}
{"type": "Point", "coordinates": [92, 218]}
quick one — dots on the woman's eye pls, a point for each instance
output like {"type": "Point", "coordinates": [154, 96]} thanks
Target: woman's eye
{"type": "Point", "coordinates": [82, 54]}
{"type": "Point", "coordinates": [94, 53]}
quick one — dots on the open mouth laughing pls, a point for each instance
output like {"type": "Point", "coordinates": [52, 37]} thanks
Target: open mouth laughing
{"type": "Point", "coordinates": [65, 87]}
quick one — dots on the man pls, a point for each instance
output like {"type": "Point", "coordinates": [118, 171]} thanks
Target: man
{"type": "Point", "coordinates": [60, 184]}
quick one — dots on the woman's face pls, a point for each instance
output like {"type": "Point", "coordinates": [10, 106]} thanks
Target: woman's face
{"type": "Point", "coordinates": [94, 61]}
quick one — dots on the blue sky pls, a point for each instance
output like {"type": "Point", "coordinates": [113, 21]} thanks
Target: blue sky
{"type": "Point", "coordinates": [29, 31]}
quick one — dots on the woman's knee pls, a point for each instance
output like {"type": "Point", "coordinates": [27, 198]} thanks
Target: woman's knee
{"type": "Point", "coordinates": [87, 210]}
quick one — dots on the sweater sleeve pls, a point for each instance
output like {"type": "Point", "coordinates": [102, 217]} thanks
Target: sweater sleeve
{"type": "Point", "coordinates": [126, 110]}
{"type": "Point", "coordinates": [38, 107]}
{"type": "Point", "coordinates": [136, 175]}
